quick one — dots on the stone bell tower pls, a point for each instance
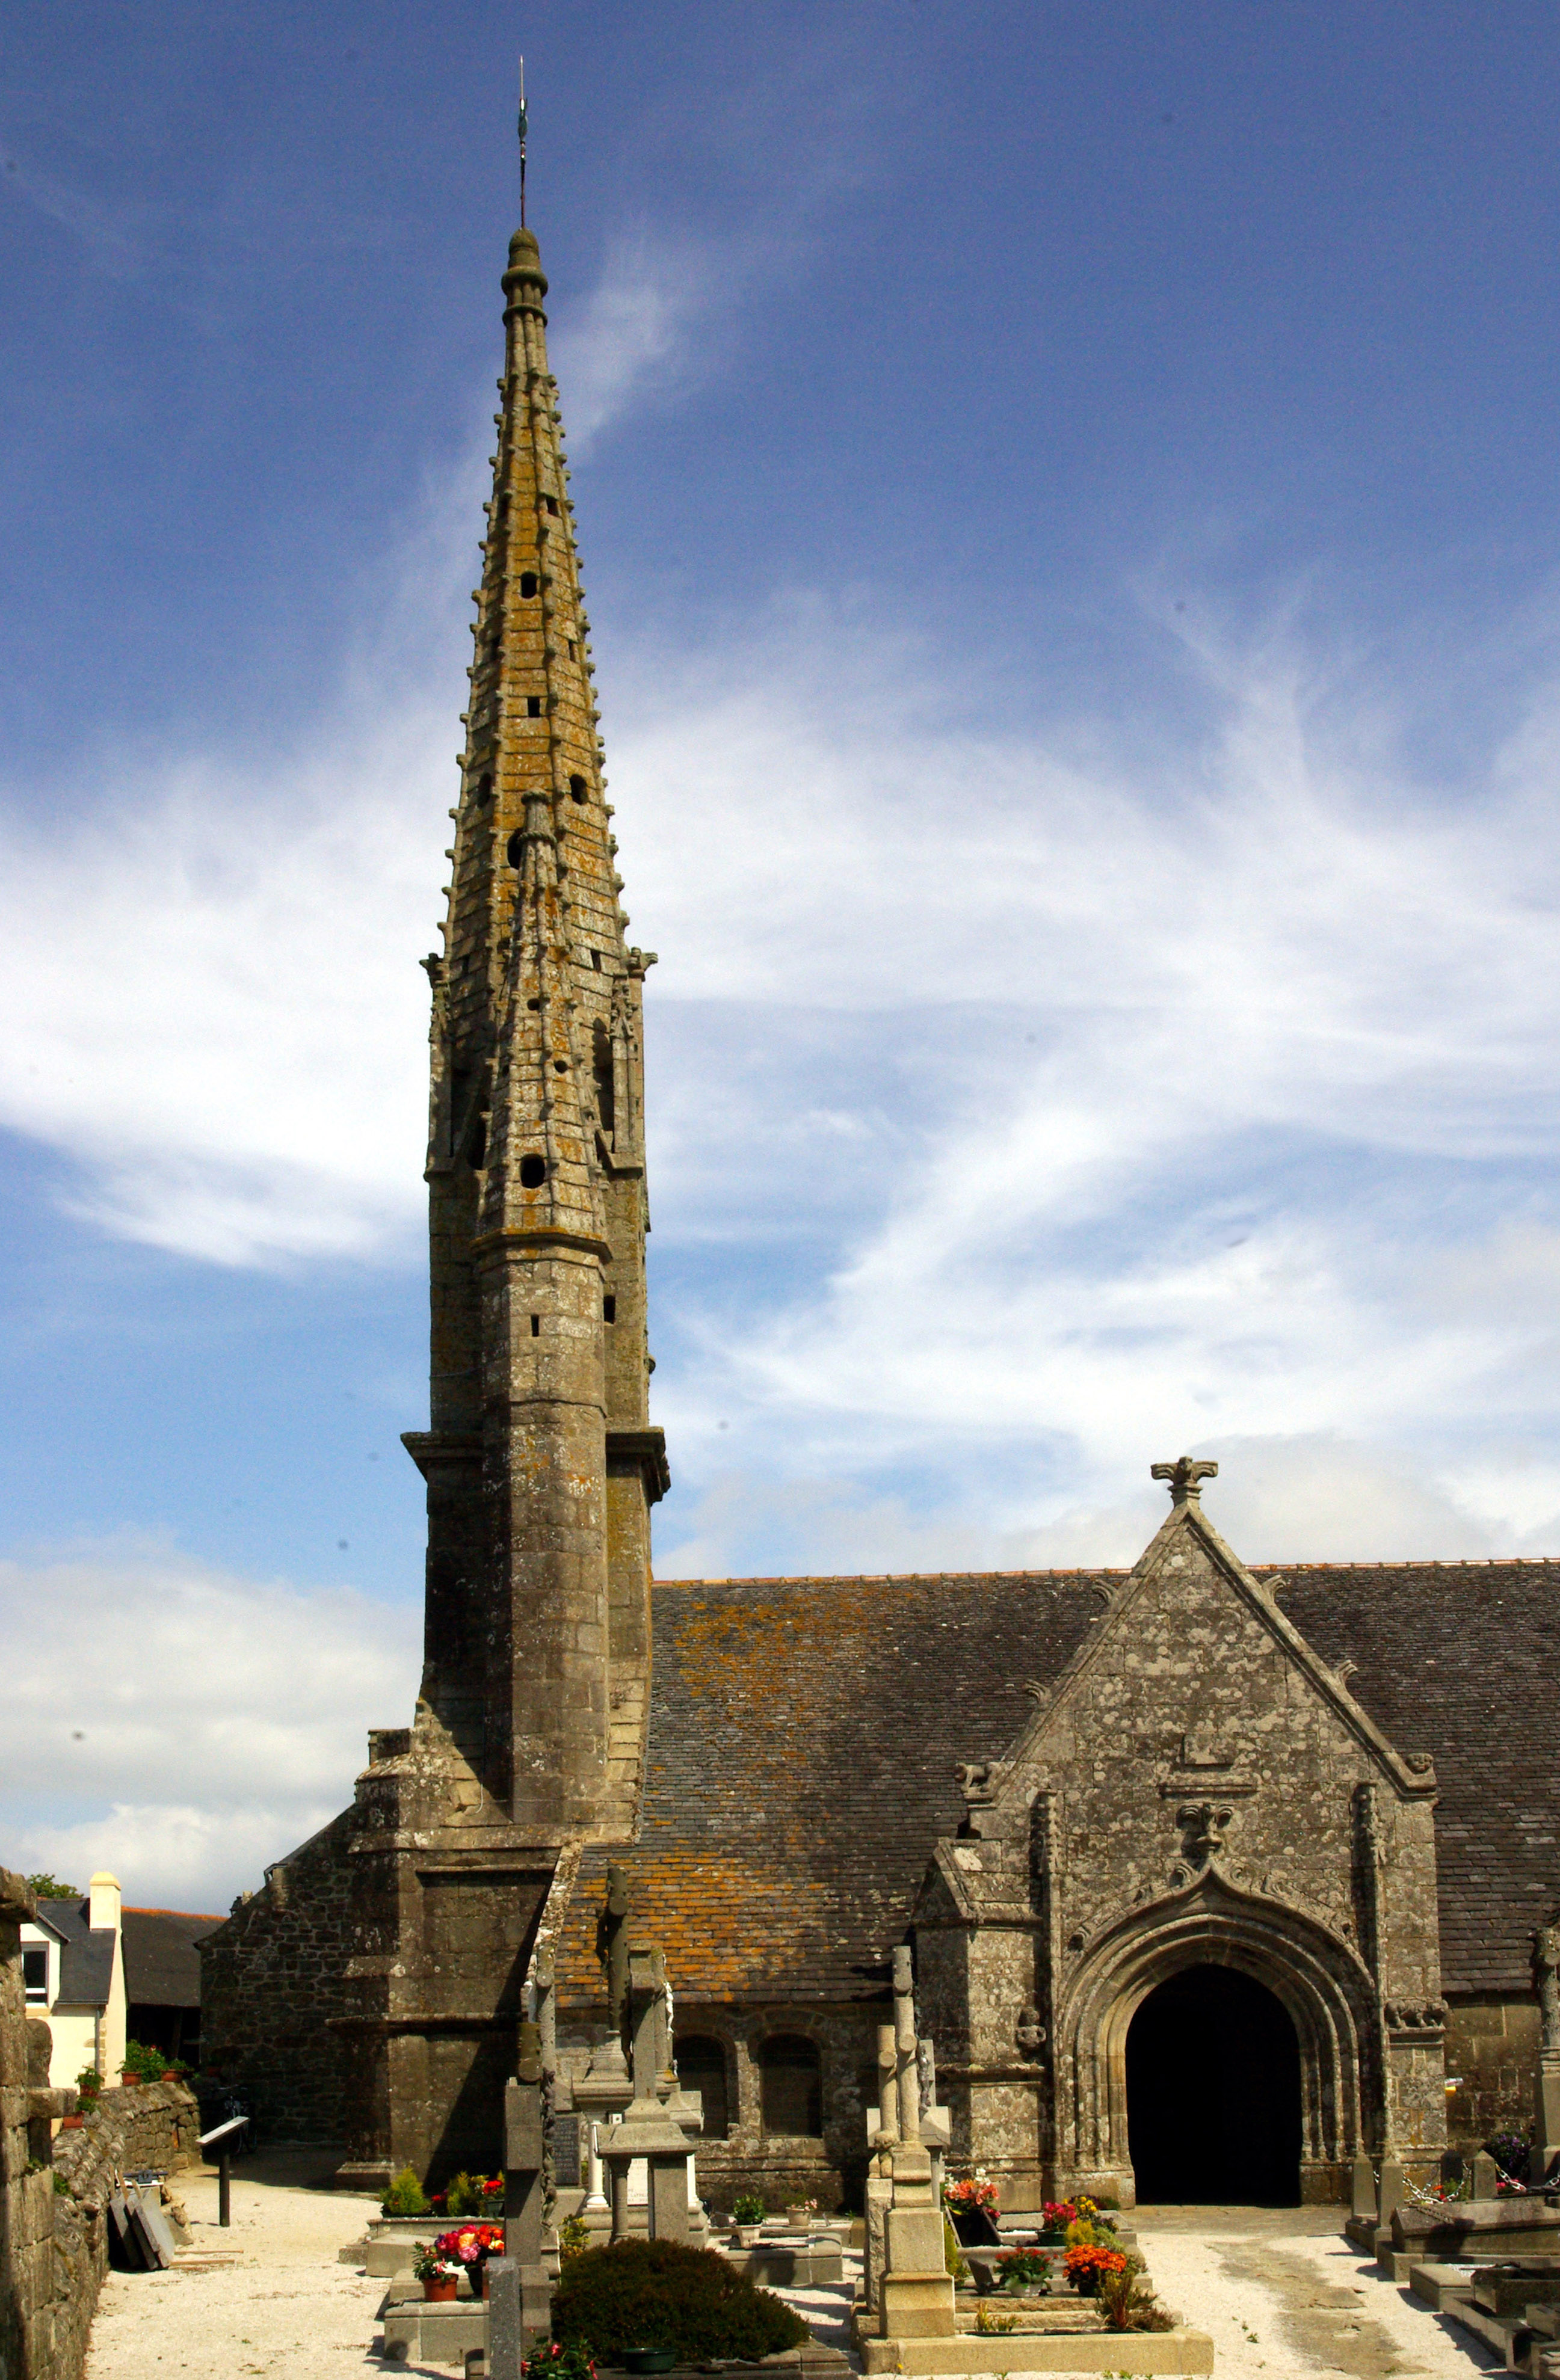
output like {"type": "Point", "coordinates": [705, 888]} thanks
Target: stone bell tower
{"type": "Point", "coordinates": [528, 1744]}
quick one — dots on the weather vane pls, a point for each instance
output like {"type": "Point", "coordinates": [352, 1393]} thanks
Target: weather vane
{"type": "Point", "coordinates": [522, 144]}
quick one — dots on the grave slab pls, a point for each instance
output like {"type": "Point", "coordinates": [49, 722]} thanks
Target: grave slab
{"type": "Point", "coordinates": [1132, 2351]}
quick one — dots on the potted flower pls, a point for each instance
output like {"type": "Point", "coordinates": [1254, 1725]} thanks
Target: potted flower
{"type": "Point", "coordinates": [439, 2278]}
{"type": "Point", "coordinates": [1057, 2214]}
{"type": "Point", "coordinates": [1084, 2266]}
{"type": "Point", "coordinates": [747, 2214]}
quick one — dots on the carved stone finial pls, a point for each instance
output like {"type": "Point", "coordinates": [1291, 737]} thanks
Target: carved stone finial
{"type": "Point", "coordinates": [1184, 1477]}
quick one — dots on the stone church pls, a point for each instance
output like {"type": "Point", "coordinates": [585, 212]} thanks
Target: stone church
{"type": "Point", "coordinates": [1215, 1877]}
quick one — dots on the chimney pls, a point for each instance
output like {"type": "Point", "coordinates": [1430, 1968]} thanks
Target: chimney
{"type": "Point", "coordinates": [103, 1902]}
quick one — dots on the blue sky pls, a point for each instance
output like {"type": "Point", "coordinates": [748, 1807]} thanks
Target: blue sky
{"type": "Point", "coordinates": [1070, 508]}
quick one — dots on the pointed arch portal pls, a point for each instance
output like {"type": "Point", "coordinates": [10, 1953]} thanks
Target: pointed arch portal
{"type": "Point", "coordinates": [1214, 2093]}
{"type": "Point", "coordinates": [1205, 2040]}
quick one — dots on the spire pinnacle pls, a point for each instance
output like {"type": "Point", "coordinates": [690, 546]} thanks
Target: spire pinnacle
{"type": "Point", "coordinates": [524, 126]}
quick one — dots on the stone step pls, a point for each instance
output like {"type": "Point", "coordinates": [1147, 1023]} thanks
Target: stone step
{"type": "Point", "coordinates": [1442, 2286]}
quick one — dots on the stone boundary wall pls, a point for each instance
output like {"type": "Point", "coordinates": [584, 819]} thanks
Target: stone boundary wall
{"type": "Point", "coordinates": [154, 2124]}
{"type": "Point", "coordinates": [27, 2204]}
{"type": "Point", "coordinates": [54, 2240]}
{"type": "Point", "coordinates": [273, 1978]}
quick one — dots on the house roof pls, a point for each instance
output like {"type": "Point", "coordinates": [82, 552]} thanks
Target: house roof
{"type": "Point", "coordinates": [86, 1960]}
{"type": "Point", "coordinates": [162, 1956]}
{"type": "Point", "coordinates": [804, 1734]}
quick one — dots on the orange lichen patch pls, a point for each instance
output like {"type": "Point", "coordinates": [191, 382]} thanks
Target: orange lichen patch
{"type": "Point", "coordinates": [804, 1733]}
{"type": "Point", "coordinates": [804, 1739]}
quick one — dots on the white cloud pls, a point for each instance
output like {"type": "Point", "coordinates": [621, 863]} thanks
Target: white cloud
{"type": "Point", "coordinates": [1040, 1107]}
{"type": "Point", "coordinates": [1278, 1499]}
{"type": "Point", "coordinates": [633, 337]}
{"type": "Point", "coordinates": [187, 1726]}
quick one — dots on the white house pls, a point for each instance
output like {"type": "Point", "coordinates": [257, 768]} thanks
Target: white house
{"type": "Point", "coordinates": [73, 1966]}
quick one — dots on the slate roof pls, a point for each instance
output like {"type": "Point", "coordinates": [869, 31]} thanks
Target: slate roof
{"type": "Point", "coordinates": [162, 1961]}
{"type": "Point", "coordinates": [85, 1960]}
{"type": "Point", "coordinates": [1462, 1660]}
{"type": "Point", "coordinates": [804, 1733]}
{"type": "Point", "coordinates": [803, 1737]}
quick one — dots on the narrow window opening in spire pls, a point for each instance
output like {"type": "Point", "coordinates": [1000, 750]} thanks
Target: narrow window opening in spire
{"type": "Point", "coordinates": [533, 705]}
{"type": "Point", "coordinates": [512, 848]}
{"type": "Point", "coordinates": [577, 788]}
{"type": "Point", "coordinates": [479, 1145]}
{"type": "Point", "coordinates": [534, 1003]}
{"type": "Point", "coordinates": [534, 1172]}
{"type": "Point", "coordinates": [485, 787]}
{"type": "Point", "coordinates": [560, 1066]}
{"type": "Point", "coordinates": [609, 1309]}
{"type": "Point", "coordinates": [552, 505]}
{"type": "Point", "coordinates": [596, 961]}
{"type": "Point", "coordinates": [601, 1061]}
{"type": "Point", "coordinates": [573, 652]}
{"type": "Point", "coordinates": [527, 583]}
{"type": "Point", "coordinates": [536, 1326]}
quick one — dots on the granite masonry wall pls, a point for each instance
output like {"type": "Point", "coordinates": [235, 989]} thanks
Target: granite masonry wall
{"type": "Point", "coordinates": [1493, 2052]}
{"type": "Point", "coordinates": [272, 1979]}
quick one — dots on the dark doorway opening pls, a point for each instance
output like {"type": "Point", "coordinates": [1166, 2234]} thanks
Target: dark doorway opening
{"type": "Point", "coordinates": [1213, 2094]}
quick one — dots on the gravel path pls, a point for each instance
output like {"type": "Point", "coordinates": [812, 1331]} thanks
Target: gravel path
{"type": "Point", "coordinates": [288, 2308]}
{"type": "Point", "coordinates": [1283, 2293]}
{"type": "Point", "coordinates": [1280, 2293]}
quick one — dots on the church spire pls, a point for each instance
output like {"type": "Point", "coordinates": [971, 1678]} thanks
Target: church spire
{"type": "Point", "coordinates": [538, 1570]}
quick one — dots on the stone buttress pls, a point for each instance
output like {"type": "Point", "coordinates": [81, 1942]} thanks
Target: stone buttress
{"type": "Point", "coordinates": [528, 1738]}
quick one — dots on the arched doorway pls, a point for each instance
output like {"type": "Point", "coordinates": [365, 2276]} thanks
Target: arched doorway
{"type": "Point", "coordinates": [1214, 2093]}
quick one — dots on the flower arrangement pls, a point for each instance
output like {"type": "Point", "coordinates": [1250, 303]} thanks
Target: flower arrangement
{"type": "Point", "coordinates": [469, 2245]}
{"type": "Point", "coordinates": [470, 2193]}
{"type": "Point", "coordinates": [801, 2206]}
{"type": "Point", "coordinates": [1085, 2265]}
{"type": "Point", "coordinates": [748, 2207]}
{"type": "Point", "coordinates": [1059, 2213]}
{"type": "Point", "coordinates": [972, 2191]}
{"type": "Point", "coordinates": [430, 2263]}
{"type": "Point", "coordinates": [550, 2360]}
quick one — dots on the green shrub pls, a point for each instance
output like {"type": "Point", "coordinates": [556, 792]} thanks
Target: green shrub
{"type": "Point", "coordinates": [464, 2195]}
{"type": "Point", "coordinates": [404, 2195]}
{"type": "Point", "coordinates": [657, 2293]}
{"type": "Point", "coordinates": [952, 2257]}
{"type": "Point", "coordinates": [62, 2188]}
{"type": "Point", "coordinates": [746, 2207]}
{"type": "Point", "coordinates": [89, 2081]}
{"type": "Point", "coordinates": [49, 1888]}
